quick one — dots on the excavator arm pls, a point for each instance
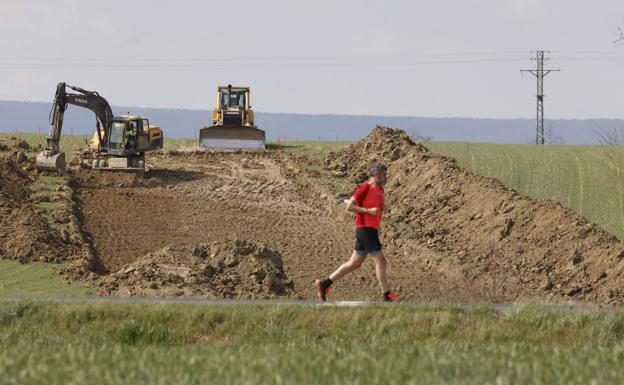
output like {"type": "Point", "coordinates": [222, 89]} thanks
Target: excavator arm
{"type": "Point", "coordinates": [51, 158]}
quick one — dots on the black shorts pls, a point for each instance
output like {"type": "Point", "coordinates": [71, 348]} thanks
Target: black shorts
{"type": "Point", "coordinates": [367, 242]}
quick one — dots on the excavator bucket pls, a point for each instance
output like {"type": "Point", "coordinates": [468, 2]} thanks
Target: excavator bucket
{"type": "Point", "coordinates": [231, 137]}
{"type": "Point", "coordinates": [54, 162]}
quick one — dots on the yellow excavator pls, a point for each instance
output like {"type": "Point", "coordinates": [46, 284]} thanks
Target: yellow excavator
{"type": "Point", "coordinates": [232, 122]}
{"type": "Point", "coordinates": [119, 144]}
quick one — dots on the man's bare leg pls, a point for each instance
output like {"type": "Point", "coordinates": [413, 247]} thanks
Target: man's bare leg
{"type": "Point", "coordinates": [380, 272]}
{"type": "Point", "coordinates": [352, 264]}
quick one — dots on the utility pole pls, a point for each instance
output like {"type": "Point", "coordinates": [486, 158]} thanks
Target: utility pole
{"type": "Point", "coordinates": [539, 74]}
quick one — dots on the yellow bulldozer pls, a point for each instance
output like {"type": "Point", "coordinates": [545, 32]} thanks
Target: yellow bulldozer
{"type": "Point", "coordinates": [232, 122]}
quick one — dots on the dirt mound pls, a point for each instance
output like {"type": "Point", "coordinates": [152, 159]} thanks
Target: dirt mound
{"type": "Point", "coordinates": [24, 233]}
{"type": "Point", "coordinates": [12, 143]}
{"type": "Point", "coordinates": [477, 239]}
{"type": "Point", "coordinates": [216, 196]}
{"type": "Point", "coordinates": [85, 177]}
{"type": "Point", "coordinates": [227, 269]}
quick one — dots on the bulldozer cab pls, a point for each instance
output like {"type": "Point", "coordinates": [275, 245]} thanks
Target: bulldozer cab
{"type": "Point", "coordinates": [232, 122]}
{"type": "Point", "coordinates": [233, 107]}
{"type": "Point", "coordinates": [233, 98]}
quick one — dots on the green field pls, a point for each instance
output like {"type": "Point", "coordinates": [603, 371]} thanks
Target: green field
{"type": "Point", "coordinates": [35, 279]}
{"type": "Point", "coordinates": [70, 143]}
{"type": "Point", "coordinates": [587, 179]}
{"type": "Point", "coordinates": [116, 343]}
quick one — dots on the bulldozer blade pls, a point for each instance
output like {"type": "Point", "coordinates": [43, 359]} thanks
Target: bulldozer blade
{"type": "Point", "coordinates": [54, 162]}
{"type": "Point", "coordinates": [231, 137]}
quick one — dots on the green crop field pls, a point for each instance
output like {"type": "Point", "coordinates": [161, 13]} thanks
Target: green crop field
{"type": "Point", "coordinates": [150, 343]}
{"type": "Point", "coordinates": [587, 179]}
{"type": "Point", "coordinates": [70, 143]}
{"type": "Point", "coordinates": [36, 279]}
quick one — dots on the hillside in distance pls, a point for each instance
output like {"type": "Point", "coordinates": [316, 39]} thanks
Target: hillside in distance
{"type": "Point", "coordinates": [185, 123]}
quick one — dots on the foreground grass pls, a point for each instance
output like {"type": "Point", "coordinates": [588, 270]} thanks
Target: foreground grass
{"type": "Point", "coordinates": [35, 279]}
{"type": "Point", "coordinates": [114, 343]}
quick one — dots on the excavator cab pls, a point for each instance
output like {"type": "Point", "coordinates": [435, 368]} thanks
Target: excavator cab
{"type": "Point", "coordinates": [129, 134]}
{"type": "Point", "coordinates": [126, 134]}
{"type": "Point", "coordinates": [118, 136]}
{"type": "Point", "coordinates": [129, 138]}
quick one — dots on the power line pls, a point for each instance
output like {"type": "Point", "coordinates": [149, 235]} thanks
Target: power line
{"type": "Point", "coordinates": [274, 58]}
{"type": "Point", "coordinates": [242, 66]}
{"type": "Point", "coordinates": [539, 74]}
{"type": "Point", "coordinates": [287, 62]}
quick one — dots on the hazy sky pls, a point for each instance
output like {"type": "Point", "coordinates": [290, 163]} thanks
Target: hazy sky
{"type": "Point", "coordinates": [393, 57]}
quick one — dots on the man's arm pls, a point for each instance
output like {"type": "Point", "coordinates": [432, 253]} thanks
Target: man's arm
{"type": "Point", "coordinates": [352, 207]}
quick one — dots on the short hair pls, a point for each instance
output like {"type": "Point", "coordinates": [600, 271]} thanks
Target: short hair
{"type": "Point", "coordinates": [376, 167]}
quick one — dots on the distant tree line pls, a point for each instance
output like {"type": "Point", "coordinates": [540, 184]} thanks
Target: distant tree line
{"type": "Point", "coordinates": [610, 135]}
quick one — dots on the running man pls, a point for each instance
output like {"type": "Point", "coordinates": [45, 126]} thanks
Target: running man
{"type": "Point", "coordinates": [368, 203]}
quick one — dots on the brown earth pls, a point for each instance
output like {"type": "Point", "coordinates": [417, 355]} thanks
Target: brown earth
{"type": "Point", "coordinates": [190, 199]}
{"type": "Point", "coordinates": [13, 144]}
{"type": "Point", "coordinates": [25, 234]}
{"type": "Point", "coordinates": [226, 269]}
{"type": "Point", "coordinates": [468, 237]}
{"type": "Point", "coordinates": [448, 235]}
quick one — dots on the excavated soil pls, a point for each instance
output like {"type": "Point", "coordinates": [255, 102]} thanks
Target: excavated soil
{"type": "Point", "coordinates": [202, 198]}
{"type": "Point", "coordinates": [260, 225]}
{"type": "Point", "coordinates": [466, 237]}
{"type": "Point", "coordinates": [25, 234]}
{"type": "Point", "coordinates": [13, 144]}
{"type": "Point", "coordinates": [226, 269]}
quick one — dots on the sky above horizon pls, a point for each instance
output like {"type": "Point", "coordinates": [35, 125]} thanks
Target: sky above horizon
{"type": "Point", "coordinates": [411, 58]}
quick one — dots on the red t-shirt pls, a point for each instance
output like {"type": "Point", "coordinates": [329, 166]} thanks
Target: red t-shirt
{"type": "Point", "coordinates": [369, 196]}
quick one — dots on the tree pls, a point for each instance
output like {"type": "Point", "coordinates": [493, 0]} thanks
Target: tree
{"type": "Point", "coordinates": [609, 136]}
{"type": "Point", "coordinates": [417, 137]}
{"type": "Point", "coordinates": [551, 136]}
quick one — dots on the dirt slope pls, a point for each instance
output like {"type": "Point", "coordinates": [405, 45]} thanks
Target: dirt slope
{"type": "Point", "coordinates": [24, 233]}
{"type": "Point", "coordinates": [12, 143]}
{"type": "Point", "coordinates": [448, 235]}
{"type": "Point", "coordinates": [262, 198]}
{"type": "Point", "coordinates": [471, 238]}
{"type": "Point", "coordinates": [226, 269]}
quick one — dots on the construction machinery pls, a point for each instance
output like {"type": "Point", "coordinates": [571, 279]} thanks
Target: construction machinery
{"type": "Point", "coordinates": [232, 122]}
{"type": "Point", "coordinates": [120, 142]}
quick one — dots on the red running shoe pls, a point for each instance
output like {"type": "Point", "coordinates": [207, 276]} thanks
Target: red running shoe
{"type": "Point", "coordinates": [391, 297]}
{"type": "Point", "coordinates": [322, 289]}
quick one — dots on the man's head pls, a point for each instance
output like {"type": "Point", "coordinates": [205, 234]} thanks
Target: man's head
{"type": "Point", "coordinates": [377, 171]}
